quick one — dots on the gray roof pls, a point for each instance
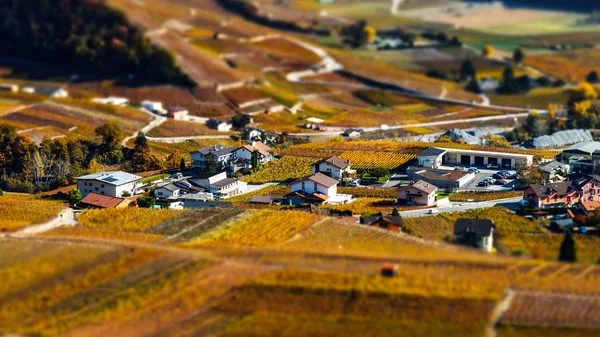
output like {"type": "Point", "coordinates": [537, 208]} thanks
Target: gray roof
{"type": "Point", "coordinates": [432, 152]}
{"type": "Point", "coordinates": [585, 147]}
{"type": "Point", "coordinates": [170, 187]}
{"type": "Point", "coordinates": [553, 166]}
{"type": "Point", "coordinates": [217, 150]}
{"type": "Point", "coordinates": [116, 178]}
{"type": "Point", "coordinates": [482, 227]}
{"type": "Point", "coordinates": [559, 139]}
{"type": "Point", "coordinates": [224, 182]}
{"type": "Point", "coordinates": [261, 199]}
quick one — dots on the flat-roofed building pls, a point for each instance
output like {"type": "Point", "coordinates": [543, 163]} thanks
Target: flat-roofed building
{"type": "Point", "coordinates": [505, 160]}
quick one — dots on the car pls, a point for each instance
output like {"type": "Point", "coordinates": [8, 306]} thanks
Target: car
{"type": "Point", "coordinates": [473, 169]}
{"type": "Point", "coordinates": [433, 211]}
{"type": "Point", "coordinates": [583, 230]}
{"type": "Point", "coordinates": [505, 172]}
{"type": "Point", "coordinates": [354, 183]}
{"type": "Point", "coordinates": [483, 183]}
{"type": "Point", "coordinates": [500, 182]}
{"type": "Point", "coordinates": [458, 168]}
{"type": "Point", "coordinates": [512, 176]}
{"type": "Point", "coordinates": [384, 127]}
{"type": "Point", "coordinates": [524, 203]}
{"type": "Point", "coordinates": [497, 176]}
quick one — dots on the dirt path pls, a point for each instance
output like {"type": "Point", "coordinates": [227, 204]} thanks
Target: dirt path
{"type": "Point", "coordinates": [499, 310]}
{"type": "Point", "coordinates": [65, 218]}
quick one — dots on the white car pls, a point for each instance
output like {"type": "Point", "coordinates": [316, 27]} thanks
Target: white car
{"type": "Point", "coordinates": [354, 183]}
{"type": "Point", "coordinates": [433, 211]}
{"type": "Point", "coordinates": [384, 127]}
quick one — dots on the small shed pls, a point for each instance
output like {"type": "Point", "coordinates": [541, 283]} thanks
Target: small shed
{"type": "Point", "coordinates": [389, 270]}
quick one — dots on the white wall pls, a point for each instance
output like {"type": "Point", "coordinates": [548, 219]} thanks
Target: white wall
{"type": "Point", "coordinates": [101, 187]}
{"type": "Point", "coordinates": [165, 193]}
{"type": "Point", "coordinates": [311, 187]}
{"type": "Point", "coordinates": [327, 168]}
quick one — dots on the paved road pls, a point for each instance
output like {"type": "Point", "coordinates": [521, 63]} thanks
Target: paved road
{"type": "Point", "coordinates": [156, 121]}
{"type": "Point", "coordinates": [512, 204]}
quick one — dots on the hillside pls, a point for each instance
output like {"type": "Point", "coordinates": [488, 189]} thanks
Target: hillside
{"type": "Point", "coordinates": [86, 34]}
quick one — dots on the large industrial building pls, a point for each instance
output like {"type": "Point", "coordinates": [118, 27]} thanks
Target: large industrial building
{"type": "Point", "coordinates": [435, 157]}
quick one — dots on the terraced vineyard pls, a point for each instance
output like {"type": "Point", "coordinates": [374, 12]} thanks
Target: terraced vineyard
{"type": "Point", "coordinates": [289, 167]}
{"type": "Point", "coordinates": [372, 160]}
{"type": "Point", "coordinates": [20, 210]}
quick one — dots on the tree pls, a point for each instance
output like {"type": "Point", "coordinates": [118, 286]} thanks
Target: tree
{"type": "Point", "coordinates": [529, 175]}
{"type": "Point", "coordinates": [1, 193]}
{"type": "Point", "coordinates": [495, 141]}
{"type": "Point", "coordinates": [567, 251]}
{"type": "Point", "coordinates": [141, 142]}
{"type": "Point", "coordinates": [94, 166]}
{"type": "Point", "coordinates": [395, 212]}
{"type": "Point", "coordinates": [487, 51]}
{"type": "Point", "coordinates": [125, 194]}
{"type": "Point", "coordinates": [210, 165]}
{"type": "Point", "coordinates": [592, 77]}
{"type": "Point", "coordinates": [519, 55]}
{"type": "Point", "coordinates": [467, 70]}
{"type": "Point", "coordinates": [584, 91]}
{"type": "Point", "coordinates": [182, 165]}
{"type": "Point", "coordinates": [74, 196]}
{"type": "Point", "coordinates": [474, 87]}
{"type": "Point", "coordinates": [254, 161]}
{"type": "Point", "coordinates": [146, 202]}
{"type": "Point", "coordinates": [535, 125]}
{"type": "Point", "coordinates": [240, 121]}
{"type": "Point", "coordinates": [111, 135]}
{"type": "Point", "coordinates": [369, 35]}
{"type": "Point", "coordinates": [174, 160]}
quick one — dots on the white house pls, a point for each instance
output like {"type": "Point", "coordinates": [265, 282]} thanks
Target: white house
{"type": "Point", "coordinates": [218, 125]}
{"type": "Point", "coordinates": [219, 185]}
{"type": "Point", "coordinates": [431, 158]}
{"type": "Point", "coordinates": [111, 100]}
{"type": "Point", "coordinates": [317, 183]}
{"type": "Point", "coordinates": [167, 191]}
{"type": "Point", "coordinates": [153, 106]}
{"type": "Point", "coordinates": [264, 152]}
{"type": "Point", "coordinates": [52, 92]}
{"type": "Point", "coordinates": [112, 183]}
{"type": "Point", "coordinates": [220, 154]}
{"type": "Point", "coordinates": [253, 134]}
{"type": "Point", "coordinates": [334, 167]}
{"type": "Point", "coordinates": [483, 228]}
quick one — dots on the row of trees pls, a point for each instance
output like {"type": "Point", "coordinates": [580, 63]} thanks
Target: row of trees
{"type": "Point", "coordinates": [26, 167]}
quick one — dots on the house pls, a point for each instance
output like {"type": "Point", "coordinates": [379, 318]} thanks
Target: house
{"type": "Point", "coordinates": [555, 170]}
{"type": "Point", "coordinates": [52, 92]}
{"type": "Point", "coordinates": [219, 185]}
{"type": "Point", "coordinates": [218, 125]}
{"type": "Point", "coordinates": [271, 136]}
{"type": "Point", "coordinates": [351, 133]}
{"type": "Point", "coordinates": [177, 112]}
{"type": "Point", "coordinates": [418, 193]}
{"type": "Point", "coordinates": [219, 154]}
{"type": "Point", "coordinates": [564, 193]}
{"type": "Point", "coordinates": [559, 194]}
{"type": "Point", "coordinates": [431, 158]}
{"type": "Point", "coordinates": [334, 167]}
{"type": "Point", "coordinates": [579, 151]}
{"type": "Point", "coordinates": [317, 188]}
{"type": "Point", "coordinates": [153, 106]}
{"type": "Point", "coordinates": [440, 178]}
{"type": "Point", "coordinates": [589, 207]}
{"type": "Point", "coordinates": [9, 87]}
{"type": "Point", "coordinates": [94, 200]}
{"type": "Point", "coordinates": [111, 100]}
{"type": "Point", "coordinates": [389, 222]}
{"type": "Point", "coordinates": [167, 191]}
{"type": "Point", "coordinates": [482, 227]}
{"type": "Point", "coordinates": [245, 152]}
{"type": "Point", "coordinates": [111, 183]}
{"type": "Point", "coordinates": [253, 134]}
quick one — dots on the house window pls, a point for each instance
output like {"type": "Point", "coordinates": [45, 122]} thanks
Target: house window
{"type": "Point", "coordinates": [96, 188]}
{"type": "Point", "coordinates": [102, 192]}
{"type": "Point", "coordinates": [160, 193]}
{"type": "Point", "coordinates": [315, 186]}
{"type": "Point", "coordinates": [84, 183]}
{"type": "Point", "coordinates": [102, 185]}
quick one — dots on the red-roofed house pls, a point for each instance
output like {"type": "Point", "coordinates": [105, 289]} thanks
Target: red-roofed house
{"type": "Point", "coordinates": [93, 200]}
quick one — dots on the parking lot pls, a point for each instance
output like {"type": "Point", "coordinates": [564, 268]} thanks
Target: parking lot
{"type": "Point", "coordinates": [482, 175]}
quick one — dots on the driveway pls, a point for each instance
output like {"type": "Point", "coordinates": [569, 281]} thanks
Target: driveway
{"type": "Point", "coordinates": [511, 204]}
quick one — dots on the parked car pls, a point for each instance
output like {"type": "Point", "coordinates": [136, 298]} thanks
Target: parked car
{"type": "Point", "coordinates": [583, 230]}
{"type": "Point", "coordinates": [384, 127]}
{"type": "Point", "coordinates": [489, 179]}
{"type": "Point", "coordinates": [500, 182]}
{"type": "Point", "coordinates": [512, 176]}
{"type": "Point", "coordinates": [433, 211]}
{"type": "Point", "coordinates": [354, 183]}
{"type": "Point", "coordinates": [458, 168]}
{"type": "Point", "coordinates": [497, 176]}
{"type": "Point", "coordinates": [473, 170]}
{"type": "Point", "coordinates": [483, 183]}
{"type": "Point", "coordinates": [524, 203]}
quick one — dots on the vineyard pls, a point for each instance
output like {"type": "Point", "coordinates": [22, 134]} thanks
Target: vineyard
{"type": "Point", "coordinates": [484, 196]}
{"type": "Point", "coordinates": [379, 192]}
{"type": "Point", "coordinates": [289, 167]}
{"type": "Point", "coordinates": [366, 206]}
{"type": "Point", "coordinates": [264, 228]}
{"type": "Point", "coordinates": [361, 160]}
{"type": "Point", "coordinates": [338, 147]}
{"type": "Point", "coordinates": [126, 223]}
{"type": "Point", "coordinates": [20, 210]}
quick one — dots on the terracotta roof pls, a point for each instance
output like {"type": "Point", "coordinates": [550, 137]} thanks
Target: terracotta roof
{"type": "Point", "coordinates": [320, 179]}
{"type": "Point", "coordinates": [421, 185]}
{"type": "Point", "coordinates": [335, 161]}
{"type": "Point", "coordinates": [591, 206]}
{"type": "Point", "coordinates": [482, 227]}
{"type": "Point", "coordinates": [102, 201]}
{"type": "Point", "coordinates": [260, 146]}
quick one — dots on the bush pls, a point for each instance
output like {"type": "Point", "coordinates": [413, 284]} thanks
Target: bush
{"type": "Point", "coordinates": [1, 192]}
{"type": "Point", "coordinates": [146, 202]}
{"type": "Point", "coordinates": [519, 252]}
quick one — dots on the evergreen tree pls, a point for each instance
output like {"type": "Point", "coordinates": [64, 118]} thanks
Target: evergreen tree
{"type": "Point", "coordinates": [74, 196]}
{"type": "Point", "coordinates": [141, 142]}
{"type": "Point", "coordinates": [254, 161]}
{"type": "Point", "coordinates": [519, 55]}
{"type": "Point", "coordinates": [182, 165]}
{"type": "Point", "coordinates": [210, 165]}
{"type": "Point", "coordinates": [567, 248]}
{"type": "Point", "coordinates": [467, 70]}
{"type": "Point", "coordinates": [592, 77]}
{"type": "Point", "coordinates": [395, 212]}
{"type": "Point", "coordinates": [146, 202]}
